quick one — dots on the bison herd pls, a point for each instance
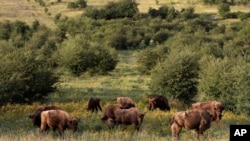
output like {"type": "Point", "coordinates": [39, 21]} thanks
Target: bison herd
{"type": "Point", "coordinates": [199, 118]}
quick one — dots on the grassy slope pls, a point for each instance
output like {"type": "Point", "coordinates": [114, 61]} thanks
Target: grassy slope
{"type": "Point", "coordinates": [29, 10]}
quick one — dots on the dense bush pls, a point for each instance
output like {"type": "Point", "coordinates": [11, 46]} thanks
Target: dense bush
{"type": "Point", "coordinates": [163, 12]}
{"type": "Point", "coordinates": [148, 58]}
{"type": "Point", "coordinates": [114, 10]}
{"type": "Point", "coordinates": [225, 80]}
{"type": "Point", "coordinates": [177, 76]}
{"type": "Point", "coordinates": [25, 77]}
{"type": "Point", "coordinates": [78, 56]}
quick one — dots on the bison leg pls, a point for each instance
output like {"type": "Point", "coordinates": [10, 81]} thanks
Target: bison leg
{"type": "Point", "coordinates": [176, 131]}
{"type": "Point", "coordinates": [99, 107]}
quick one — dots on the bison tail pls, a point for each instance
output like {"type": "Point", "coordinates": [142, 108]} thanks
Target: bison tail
{"type": "Point", "coordinates": [172, 120]}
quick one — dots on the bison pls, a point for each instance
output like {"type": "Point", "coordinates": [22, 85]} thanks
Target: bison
{"type": "Point", "coordinates": [214, 107]}
{"type": "Point", "coordinates": [129, 117]}
{"type": "Point", "coordinates": [36, 116]}
{"type": "Point", "coordinates": [125, 102]}
{"type": "Point", "coordinates": [94, 105]}
{"type": "Point", "coordinates": [57, 119]}
{"type": "Point", "coordinates": [200, 120]}
{"type": "Point", "coordinates": [158, 101]}
{"type": "Point", "coordinates": [110, 111]}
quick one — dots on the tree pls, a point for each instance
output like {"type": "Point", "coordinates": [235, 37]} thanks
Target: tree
{"type": "Point", "coordinates": [25, 77]}
{"type": "Point", "coordinates": [226, 80]}
{"type": "Point", "coordinates": [177, 76]}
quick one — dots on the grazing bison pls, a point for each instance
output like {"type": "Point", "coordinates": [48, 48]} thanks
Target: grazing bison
{"type": "Point", "coordinates": [214, 107]}
{"type": "Point", "coordinates": [200, 120]}
{"type": "Point", "coordinates": [94, 105]}
{"type": "Point", "coordinates": [129, 116]}
{"type": "Point", "coordinates": [158, 101]}
{"type": "Point", "coordinates": [57, 119]}
{"type": "Point", "coordinates": [125, 102]}
{"type": "Point", "coordinates": [36, 116]}
{"type": "Point", "coordinates": [110, 111]}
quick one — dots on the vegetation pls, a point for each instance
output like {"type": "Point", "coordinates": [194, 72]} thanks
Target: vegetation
{"type": "Point", "coordinates": [114, 49]}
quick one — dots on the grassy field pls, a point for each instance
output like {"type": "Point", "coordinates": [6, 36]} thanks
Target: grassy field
{"type": "Point", "coordinates": [74, 92]}
{"type": "Point", "coordinates": [124, 81]}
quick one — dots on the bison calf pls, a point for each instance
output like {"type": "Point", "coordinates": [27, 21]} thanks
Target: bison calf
{"type": "Point", "coordinates": [125, 102]}
{"type": "Point", "coordinates": [200, 120]}
{"type": "Point", "coordinates": [57, 119]}
{"type": "Point", "coordinates": [214, 107]}
{"type": "Point", "coordinates": [94, 105]}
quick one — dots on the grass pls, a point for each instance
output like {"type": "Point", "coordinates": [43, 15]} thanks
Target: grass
{"type": "Point", "coordinates": [74, 92]}
{"type": "Point", "coordinates": [73, 95]}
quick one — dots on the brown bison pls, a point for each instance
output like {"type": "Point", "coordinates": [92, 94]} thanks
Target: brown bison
{"type": "Point", "coordinates": [36, 116]}
{"type": "Point", "coordinates": [110, 111]}
{"type": "Point", "coordinates": [214, 107]}
{"type": "Point", "coordinates": [125, 102]}
{"type": "Point", "coordinates": [131, 116]}
{"type": "Point", "coordinates": [57, 119]}
{"type": "Point", "coordinates": [158, 101]}
{"type": "Point", "coordinates": [94, 105]}
{"type": "Point", "coordinates": [200, 120]}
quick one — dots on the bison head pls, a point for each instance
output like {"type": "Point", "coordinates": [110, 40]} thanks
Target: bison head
{"type": "Point", "coordinates": [73, 123]}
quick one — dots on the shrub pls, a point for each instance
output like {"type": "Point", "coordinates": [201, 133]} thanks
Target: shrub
{"type": "Point", "coordinates": [148, 58]}
{"type": "Point", "coordinates": [25, 77]}
{"type": "Point", "coordinates": [177, 76]}
{"type": "Point", "coordinates": [225, 80]}
{"type": "Point", "coordinates": [224, 10]}
{"type": "Point", "coordinates": [78, 56]}
{"type": "Point", "coordinates": [115, 10]}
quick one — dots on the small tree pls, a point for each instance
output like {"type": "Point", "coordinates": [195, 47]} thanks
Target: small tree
{"type": "Point", "coordinates": [25, 77]}
{"type": "Point", "coordinates": [177, 76]}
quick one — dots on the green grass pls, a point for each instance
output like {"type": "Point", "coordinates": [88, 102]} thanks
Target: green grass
{"type": "Point", "coordinates": [73, 95]}
{"type": "Point", "coordinates": [125, 80]}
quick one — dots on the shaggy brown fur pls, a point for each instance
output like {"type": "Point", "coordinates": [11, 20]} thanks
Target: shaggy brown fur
{"type": "Point", "coordinates": [200, 120]}
{"type": "Point", "coordinates": [129, 117]}
{"type": "Point", "coordinates": [214, 107]}
{"type": "Point", "coordinates": [36, 116]}
{"type": "Point", "coordinates": [110, 111]}
{"type": "Point", "coordinates": [94, 105]}
{"type": "Point", "coordinates": [126, 102]}
{"type": "Point", "coordinates": [158, 101]}
{"type": "Point", "coordinates": [57, 119]}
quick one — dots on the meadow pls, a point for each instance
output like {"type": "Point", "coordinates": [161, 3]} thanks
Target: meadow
{"type": "Point", "coordinates": [73, 92]}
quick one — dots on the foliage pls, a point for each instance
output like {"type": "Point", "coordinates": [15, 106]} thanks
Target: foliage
{"type": "Point", "coordinates": [163, 12]}
{"type": "Point", "coordinates": [77, 4]}
{"type": "Point", "coordinates": [226, 80]}
{"type": "Point", "coordinates": [79, 57]}
{"type": "Point", "coordinates": [114, 10]}
{"type": "Point", "coordinates": [25, 77]}
{"type": "Point", "coordinates": [148, 58]}
{"type": "Point", "coordinates": [223, 10]}
{"type": "Point", "coordinates": [177, 76]}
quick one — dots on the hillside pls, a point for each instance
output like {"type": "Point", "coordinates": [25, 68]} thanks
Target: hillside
{"type": "Point", "coordinates": [29, 10]}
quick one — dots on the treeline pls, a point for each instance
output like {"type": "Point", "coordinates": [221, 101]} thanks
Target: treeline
{"type": "Point", "coordinates": [188, 56]}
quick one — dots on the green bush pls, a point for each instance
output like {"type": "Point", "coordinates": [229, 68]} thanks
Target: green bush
{"type": "Point", "coordinates": [78, 56]}
{"type": "Point", "coordinates": [225, 80]}
{"type": "Point", "coordinates": [148, 58]}
{"type": "Point", "coordinates": [114, 10]}
{"type": "Point", "coordinates": [224, 10]}
{"type": "Point", "coordinates": [25, 77]}
{"type": "Point", "coordinates": [177, 76]}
